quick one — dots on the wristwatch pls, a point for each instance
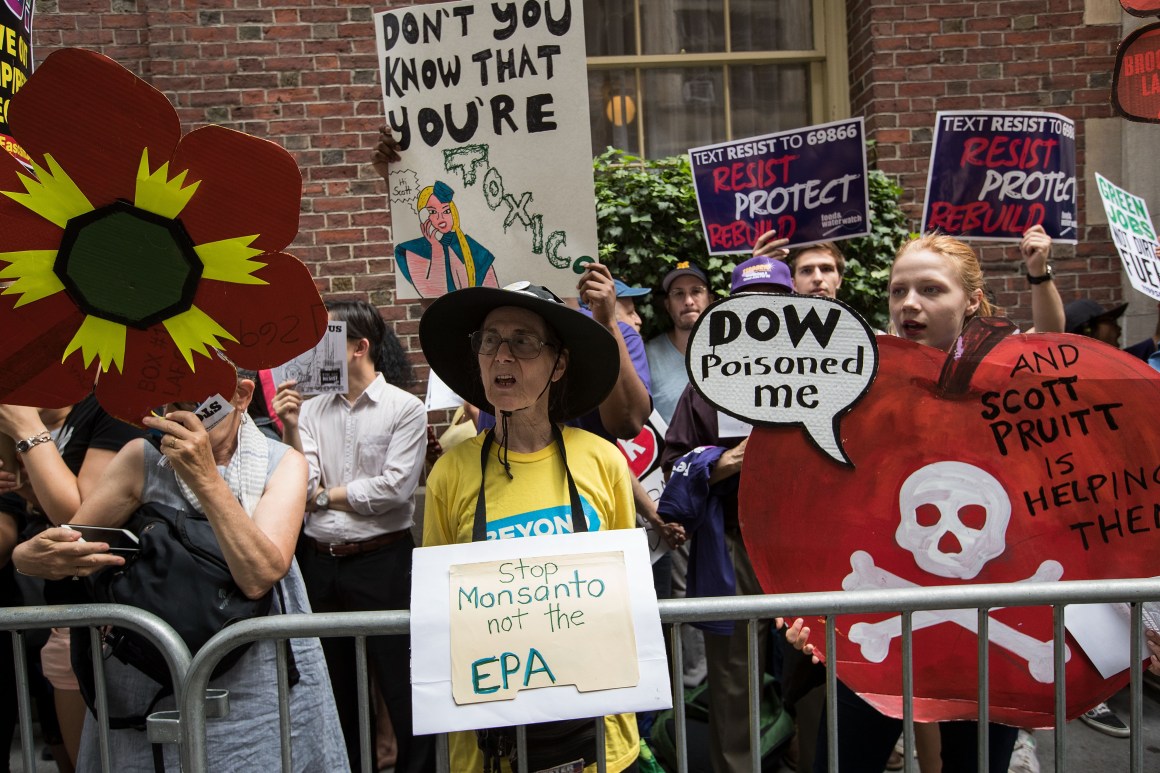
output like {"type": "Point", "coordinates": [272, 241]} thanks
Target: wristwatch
{"type": "Point", "coordinates": [322, 500]}
{"type": "Point", "coordinates": [1047, 275]}
{"type": "Point", "coordinates": [23, 446]}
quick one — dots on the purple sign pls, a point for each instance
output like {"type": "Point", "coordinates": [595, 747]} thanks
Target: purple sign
{"type": "Point", "coordinates": [15, 64]}
{"type": "Point", "coordinates": [807, 184]}
{"type": "Point", "coordinates": [993, 175]}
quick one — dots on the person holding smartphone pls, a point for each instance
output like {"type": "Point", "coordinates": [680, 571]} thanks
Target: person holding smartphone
{"type": "Point", "coordinates": [64, 453]}
{"type": "Point", "coordinates": [252, 489]}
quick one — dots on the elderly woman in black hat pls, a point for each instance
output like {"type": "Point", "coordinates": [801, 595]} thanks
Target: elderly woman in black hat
{"type": "Point", "coordinates": [537, 363]}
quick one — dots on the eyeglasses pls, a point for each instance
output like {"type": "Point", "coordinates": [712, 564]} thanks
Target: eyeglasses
{"type": "Point", "coordinates": [698, 291]}
{"type": "Point", "coordinates": [525, 346]}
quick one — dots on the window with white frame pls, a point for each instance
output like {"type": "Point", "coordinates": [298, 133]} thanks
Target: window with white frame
{"type": "Point", "coordinates": [668, 75]}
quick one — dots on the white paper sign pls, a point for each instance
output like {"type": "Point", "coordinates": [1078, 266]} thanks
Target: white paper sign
{"type": "Point", "coordinates": [1104, 632]}
{"type": "Point", "coordinates": [731, 427]}
{"type": "Point", "coordinates": [1133, 234]}
{"type": "Point", "coordinates": [439, 395]}
{"type": "Point", "coordinates": [489, 102]}
{"type": "Point", "coordinates": [213, 410]}
{"type": "Point", "coordinates": [435, 709]}
{"type": "Point", "coordinates": [322, 370]}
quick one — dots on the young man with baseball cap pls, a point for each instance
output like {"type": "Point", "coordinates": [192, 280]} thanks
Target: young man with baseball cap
{"type": "Point", "coordinates": [702, 452]}
{"type": "Point", "coordinates": [687, 294]}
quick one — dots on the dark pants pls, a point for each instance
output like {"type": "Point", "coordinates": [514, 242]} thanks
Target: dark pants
{"type": "Point", "coordinates": [866, 737]}
{"type": "Point", "coordinates": [380, 579]}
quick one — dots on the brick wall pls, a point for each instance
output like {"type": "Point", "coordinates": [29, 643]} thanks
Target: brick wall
{"type": "Point", "coordinates": [911, 59]}
{"type": "Point", "coordinates": [302, 73]}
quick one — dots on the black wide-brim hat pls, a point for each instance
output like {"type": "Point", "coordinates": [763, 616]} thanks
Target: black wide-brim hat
{"type": "Point", "coordinates": [447, 325]}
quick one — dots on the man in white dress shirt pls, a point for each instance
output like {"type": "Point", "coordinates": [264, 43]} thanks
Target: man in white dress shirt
{"type": "Point", "coordinates": [366, 450]}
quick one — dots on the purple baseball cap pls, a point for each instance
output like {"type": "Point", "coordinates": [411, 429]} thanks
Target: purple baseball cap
{"type": "Point", "coordinates": [761, 271]}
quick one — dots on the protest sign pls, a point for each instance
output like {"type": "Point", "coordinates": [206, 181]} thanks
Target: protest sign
{"type": "Point", "coordinates": [513, 624]}
{"type": "Point", "coordinates": [1133, 234]}
{"type": "Point", "coordinates": [15, 64]}
{"type": "Point", "coordinates": [993, 175]}
{"type": "Point", "coordinates": [807, 184]}
{"type": "Point", "coordinates": [1136, 76]}
{"type": "Point", "coordinates": [1011, 458]}
{"type": "Point", "coordinates": [322, 370]}
{"type": "Point", "coordinates": [174, 247]}
{"type": "Point", "coordinates": [1141, 7]}
{"type": "Point", "coordinates": [532, 630]}
{"type": "Point", "coordinates": [783, 359]}
{"type": "Point", "coordinates": [643, 454]}
{"type": "Point", "coordinates": [439, 395]}
{"type": "Point", "coordinates": [489, 103]}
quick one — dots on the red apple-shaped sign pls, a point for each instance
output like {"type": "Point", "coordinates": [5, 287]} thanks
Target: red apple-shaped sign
{"type": "Point", "coordinates": [1026, 458]}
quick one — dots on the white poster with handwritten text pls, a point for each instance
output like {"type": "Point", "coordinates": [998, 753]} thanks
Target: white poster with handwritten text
{"type": "Point", "coordinates": [536, 629]}
{"type": "Point", "coordinates": [489, 101]}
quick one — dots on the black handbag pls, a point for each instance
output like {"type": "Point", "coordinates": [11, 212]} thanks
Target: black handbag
{"type": "Point", "coordinates": [180, 575]}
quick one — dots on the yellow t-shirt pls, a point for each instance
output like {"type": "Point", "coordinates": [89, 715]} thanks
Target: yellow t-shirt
{"type": "Point", "coordinates": [533, 502]}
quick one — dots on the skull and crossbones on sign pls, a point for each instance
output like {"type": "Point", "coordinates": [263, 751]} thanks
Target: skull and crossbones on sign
{"type": "Point", "coordinates": [953, 521]}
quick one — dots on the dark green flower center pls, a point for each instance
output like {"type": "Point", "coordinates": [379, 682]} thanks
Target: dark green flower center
{"type": "Point", "coordinates": [127, 265]}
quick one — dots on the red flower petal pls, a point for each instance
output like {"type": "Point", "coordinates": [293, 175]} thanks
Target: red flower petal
{"type": "Point", "coordinates": [35, 336]}
{"type": "Point", "coordinates": [94, 117]}
{"type": "Point", "coordinates": [155, 373]}
{"type": "Point", "coordinates": [248, 186]}
{"type": "Point", "coordinates": [273, 322]}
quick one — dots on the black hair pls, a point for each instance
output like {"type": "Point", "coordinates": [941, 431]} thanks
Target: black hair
{"type": "Point", "coordinates": [559, 388]}
{"type": "Point", "coordinates": [364, 321]}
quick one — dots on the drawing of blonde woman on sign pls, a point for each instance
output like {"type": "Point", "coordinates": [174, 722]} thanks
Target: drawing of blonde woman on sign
{"type": "Point", "coordinates": [444, 258]}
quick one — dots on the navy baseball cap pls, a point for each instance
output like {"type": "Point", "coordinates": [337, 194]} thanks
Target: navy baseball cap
{"type": "Point", "coordinates": [684, 268]}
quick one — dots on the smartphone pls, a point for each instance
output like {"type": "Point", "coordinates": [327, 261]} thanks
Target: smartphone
{"type": "Point", "coordinates": [121, 541]}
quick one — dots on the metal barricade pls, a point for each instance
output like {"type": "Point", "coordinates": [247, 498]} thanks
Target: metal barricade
{"type": "Point", "coordinates": [908, 601]}
{"type": "Point", "coordinates": [282, 627]}
{"type": "Point", "coordinates": [756, 610]}
{"type": "Point", "coordinates": [17, 620]}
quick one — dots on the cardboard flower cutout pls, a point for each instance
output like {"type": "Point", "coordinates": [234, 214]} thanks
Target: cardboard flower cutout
{"type": "Point", "coordinates": [140, 252]}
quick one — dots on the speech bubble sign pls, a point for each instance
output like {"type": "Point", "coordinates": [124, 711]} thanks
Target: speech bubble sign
{"type": "Point", "coordinates": [784, 359]}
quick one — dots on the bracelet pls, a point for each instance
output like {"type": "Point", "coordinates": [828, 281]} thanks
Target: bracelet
{"type": "Point", "coordinates": [1046, 276]}
{"type": "Point", "coordinates": [24, 446]}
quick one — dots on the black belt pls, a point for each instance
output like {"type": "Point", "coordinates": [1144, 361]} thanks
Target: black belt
{"type": "Point", "coordinates": [341, 549]}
